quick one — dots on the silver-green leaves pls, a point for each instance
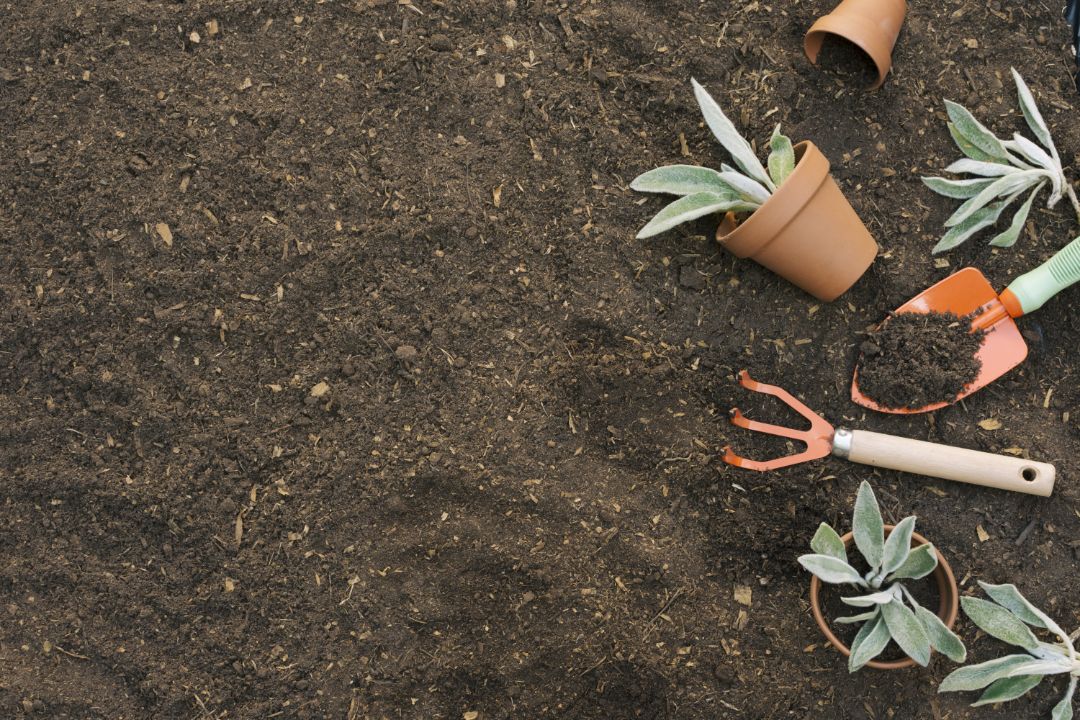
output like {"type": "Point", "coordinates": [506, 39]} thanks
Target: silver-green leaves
{"type": "Point", "coordinates": [832, 570]}
{"type": "Point", "coordinates": [907, 631]}
{"type": "Point", "coordinates": [999, 622]}
{"type": "Point", "coordinates": [690, 207]}
{"type": "Point", "coordinates": [867, 527]}
{"type": "Point", "coordinates": [1005, 170]}
{"type": "Point", "coordinates": [740, 190]}
{"type": "Point", "coordinates": [781, 157]}
{"type": "Point", "coordinates": [869, 642]}
{"type": "Point", "coordinates": [827, 542]}
{"type": "Point", "coordinates": [1009, 677]}
{"type": "Point", "coordinates": [740, 149]}
{"type": "Point", "coordinates": [920, 562]}
{"type": "Point", "coordinates": [892, 614]}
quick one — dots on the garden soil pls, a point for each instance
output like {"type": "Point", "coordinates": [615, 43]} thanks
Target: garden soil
{"type": "Point", "coordinates": [334, 384]}
{"type": "Point", "coordinates": [915, 359]}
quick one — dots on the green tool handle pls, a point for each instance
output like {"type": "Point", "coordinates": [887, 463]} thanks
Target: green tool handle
{"type": "Point", "coordinates": [1034, 288]}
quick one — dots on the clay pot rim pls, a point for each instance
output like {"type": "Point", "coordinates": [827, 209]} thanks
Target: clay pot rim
{"type": "Point", "coordinates": [860, 31]}
{"type": "Point", "coordinates": [811, 170]}
{"type": "Point", "coordinates": [948, 610]}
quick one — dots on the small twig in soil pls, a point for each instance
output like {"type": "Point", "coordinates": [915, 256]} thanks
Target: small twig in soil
{"type": "Point", "coordinates": [69, 653]}
{"type": "Point", "coordinates": [688, 458]}
{"type": "Point", "coordinates": [673, 598]}
{"type": "Point", "coordinates": [592, 667]}
{"type": "Point", "coordinates": [1025, 532]}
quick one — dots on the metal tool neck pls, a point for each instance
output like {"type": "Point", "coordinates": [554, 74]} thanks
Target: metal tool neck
{"type": "Point", "coordinates": [841, 442]}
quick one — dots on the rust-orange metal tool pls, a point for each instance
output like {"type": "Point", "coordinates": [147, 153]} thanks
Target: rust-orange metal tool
{"type": "Point", "coordinates": [968, 291]}
{"type": "Point", "coordinates": [888, 451]}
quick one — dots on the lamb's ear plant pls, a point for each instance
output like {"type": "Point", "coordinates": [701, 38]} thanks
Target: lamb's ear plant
{"type": "Point", "coordinates": [1009, 617]}
{"type": "Point", "coordinates": [703, 190]}
{"type": "Point", "coordinates": [890, 612]}
{"type": "Point", "coordinates": [1003, 171]}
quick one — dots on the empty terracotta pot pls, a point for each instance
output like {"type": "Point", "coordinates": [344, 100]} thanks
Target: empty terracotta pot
{"type": "Point", "coordinates": [807, 232]}
{"type": "Point", "coordinates": [947, 609]}
{"type": "Point", "coordinates": [873, 25]}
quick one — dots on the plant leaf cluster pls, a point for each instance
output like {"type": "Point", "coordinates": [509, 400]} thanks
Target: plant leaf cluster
{"type": "Point", "coordinates": [891, 612]}
{"type": "Point", "coordinates": [1010, 617]}
{"type": "Point", "coordinates": [703, 190]}
{"type": "Point", "coordinates": [1002, 172]}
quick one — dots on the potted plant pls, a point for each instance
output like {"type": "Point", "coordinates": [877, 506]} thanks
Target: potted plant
{"type": "Point", "coordinates": [1011, 618]}
{"type": "Point", "coordinates": [895, 556]}
{"type": "Point", "coordinates": [801, 227]}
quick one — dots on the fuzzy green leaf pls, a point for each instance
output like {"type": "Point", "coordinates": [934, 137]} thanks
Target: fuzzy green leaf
{"type": "Point", "coordinates": [868, 644]}
{"type": "Point", "coordinates": [898, 545]}
{"type": "Point", "coordinates": [920, 563]}
{"type": "Point", "coordinates": [826, 541]}
{"type": "Point", "coordinates": [907, 631]}
{"type": "Point", "coordinates": [978, 167]}
{"type": "Point", "coordinates": [942, 639]}
{"type": "Point", "coordinates": [729, 137]}
{"type": "Point", "coordinates": [781, 157]}
{"type": "Point", "coordinates": [978, 220]}
{"type": "Point", "coordinates": [999, 622]}
{"type": "Point", "coordinates": [867, 527]}
{"type": "Point", "coordinates": [683, 180]}
{"type": "Point", "coordinates": [1063, 710]}
{"type": "Point", "coordinates": [1008, 236]}
{"type": "Point", "coordinates": [974, 132]}
{"type": "Point", "coordinates": [957, 189]}
{"type": "Point", "coordinates": [749, 190]}
{"type": "Point", "coordinates": [966, 147]}
{"type": "Point", "coordinates": [881, 597]}
{"type": "Point", "coordinates": [689, 208]}
{"type": "Point", "coordinates": [1054, 172]}
{"type": "Point", "coordinates": [1032, 153]}
{"type": "Point", "coordinates": [1007, 185]}
{"type": "Point", "coordinates": [1007, 689]}
{"type": "Point", "coordinates": [975, 677]}
{"type": "Point", "coordinates": [852, 619]}
{"type": "Point", "coordinates": [831, 570]}
{"type": "Point", "coordinates": [1009, 597]}
{"type": "Point", "coordinates": [1031, 112]}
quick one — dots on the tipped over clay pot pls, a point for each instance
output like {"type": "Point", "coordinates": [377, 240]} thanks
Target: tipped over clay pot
{"type": "Point", "coordinates": [873, 25]}
{"type": "Point", "coordinates": [948, 608]}
{"type": "Point", "coordinates": [807, 232]}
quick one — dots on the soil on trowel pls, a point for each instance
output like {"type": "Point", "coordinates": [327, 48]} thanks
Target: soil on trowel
{"type": "Point", "coordinates": [916, 359]}
{"type": "Point", "coordinates": [847, 61]}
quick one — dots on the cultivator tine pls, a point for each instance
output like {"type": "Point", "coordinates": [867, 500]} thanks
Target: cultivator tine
{"type": "Point", "coordinates": [818, 438]}
{"type": "Point", "coordinates": [737, 418]}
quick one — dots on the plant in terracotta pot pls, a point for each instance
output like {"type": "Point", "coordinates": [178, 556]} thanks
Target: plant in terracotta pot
{"type": "Point", "coordinates": [1011, 618]}
{"type": "Point", "coordinates": [896, 557]}
{"type": "Point", "coordinates": [788, 204]}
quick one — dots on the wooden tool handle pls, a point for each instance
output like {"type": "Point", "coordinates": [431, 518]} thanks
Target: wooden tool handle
{"type": "Point", "coordinates": [951, 463]}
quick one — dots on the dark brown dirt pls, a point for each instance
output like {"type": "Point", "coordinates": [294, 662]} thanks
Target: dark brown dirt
{"type": "Point", "coordinates": [404, 423]}
{"type": "Point", "coordinates": [846, 61]}
{"type": "Point", "coordinates": [917, 359]}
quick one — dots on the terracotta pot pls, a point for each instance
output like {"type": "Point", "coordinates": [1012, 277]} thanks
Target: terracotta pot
{"type": "Point", "coordinates": [807, 232]}
{"type": "Point", "coordinates": [947, 609]}
{"type": "Point", "coordinates": [873, 25]}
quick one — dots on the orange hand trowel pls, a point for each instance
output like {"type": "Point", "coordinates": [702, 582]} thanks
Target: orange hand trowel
{"type": "Point", "coordinates": [968, 291]}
